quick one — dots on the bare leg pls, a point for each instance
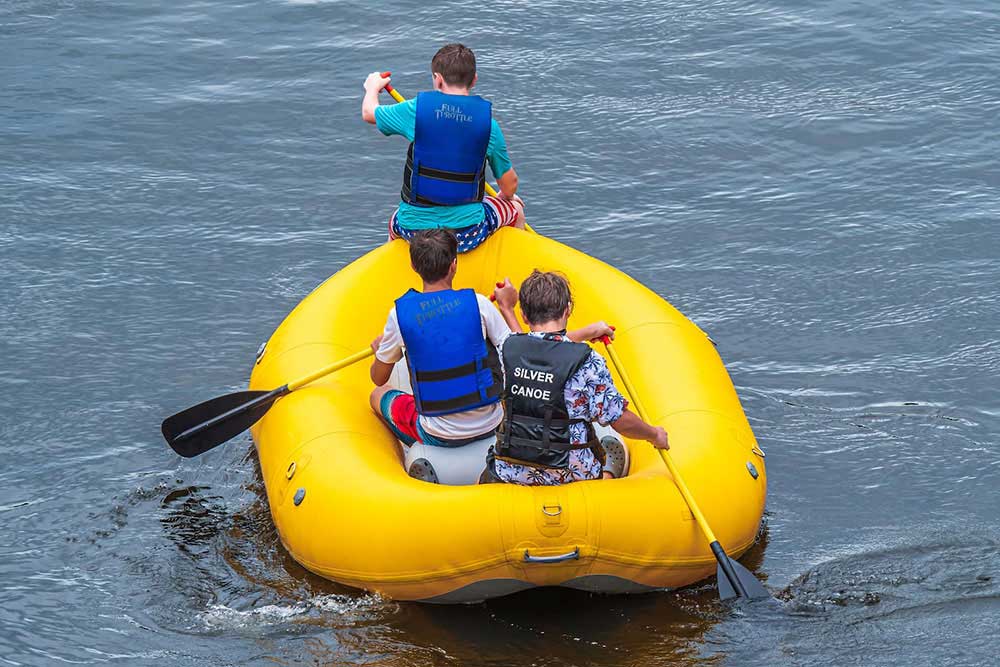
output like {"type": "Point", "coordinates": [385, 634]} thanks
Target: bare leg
{"type": "Point", "coordinates": [520, 222]}
{"type": "Point", "coordinates": [375, 400]}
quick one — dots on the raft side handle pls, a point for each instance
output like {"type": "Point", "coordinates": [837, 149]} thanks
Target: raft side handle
{"type": "Point", "coordinates": [572, 555]}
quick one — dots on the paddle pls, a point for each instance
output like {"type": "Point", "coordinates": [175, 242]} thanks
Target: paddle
{"type": "Point", "coordinates": [490, 190]}
{"type": "Point", "coordinates": [734, 579]}
{"type": "Point", "coordinates": [200, 428]}
{"type": "Point", "coordinates": [392, 91]}
{"type": "Point", "coordinates": [207, 425]}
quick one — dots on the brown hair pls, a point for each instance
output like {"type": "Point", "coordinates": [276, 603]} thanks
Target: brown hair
{"type": "Point", "coordinates": [431, 253]}
{"type": "Point", "coordinates": [544, 296]}
{"type": "Point", "coordinates": [456, 63]}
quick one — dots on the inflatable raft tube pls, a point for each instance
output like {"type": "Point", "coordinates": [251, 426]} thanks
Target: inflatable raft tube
{"type": "Point", "coordinates": [345, 508]}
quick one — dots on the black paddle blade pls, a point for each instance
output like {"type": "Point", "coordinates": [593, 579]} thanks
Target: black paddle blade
{"type": "Point", "coordinates": [755, 590]}
{"type": "Point", "coordinates": [220, 419]}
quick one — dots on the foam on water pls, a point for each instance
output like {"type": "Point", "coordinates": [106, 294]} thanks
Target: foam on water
{"type": "Point", "coordinates": [894, 601]}
{"type": "Point", "coordinates": [346, 609]}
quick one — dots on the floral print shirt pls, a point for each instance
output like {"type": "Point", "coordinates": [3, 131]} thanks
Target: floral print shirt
{"type": "Point", "coordinates": [590, 395]}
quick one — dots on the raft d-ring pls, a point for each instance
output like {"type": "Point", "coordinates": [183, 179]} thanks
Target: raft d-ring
{"type": "Point", "coordinates": [546, 508]}
{"type": "Point", "coordinates": [758, 451]}
{"type": "Point", "coordinates": [260, 352]}
{"type": "Point", "coordinates": [291, 470]}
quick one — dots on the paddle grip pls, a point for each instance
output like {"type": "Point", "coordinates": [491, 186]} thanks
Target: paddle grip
{"type": "Point", "coordinates": [388, 87]}
{"type": "Point", "coordinates": [493, 297]}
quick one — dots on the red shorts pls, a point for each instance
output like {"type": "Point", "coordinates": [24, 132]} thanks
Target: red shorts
{"type": "Point", "coordinates": [399, 410]}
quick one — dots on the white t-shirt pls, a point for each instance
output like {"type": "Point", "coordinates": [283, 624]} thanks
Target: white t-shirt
{"type": "Point", "coordinates": [458, 425]}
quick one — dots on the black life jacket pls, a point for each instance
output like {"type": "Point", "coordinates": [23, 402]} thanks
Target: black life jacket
{"type": "Point", "coordinates": [535, 429]}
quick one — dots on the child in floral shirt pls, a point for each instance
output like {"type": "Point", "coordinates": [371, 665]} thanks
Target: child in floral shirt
{"type": "Point", "coordinates": [590, 394]}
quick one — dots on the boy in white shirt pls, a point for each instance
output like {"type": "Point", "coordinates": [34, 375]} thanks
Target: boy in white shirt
{"type": "Point", "coordinates": [451, 340]}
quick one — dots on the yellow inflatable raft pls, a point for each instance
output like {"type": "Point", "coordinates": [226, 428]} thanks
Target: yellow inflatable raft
{"type": "Point", "coordinates": [346, 510]}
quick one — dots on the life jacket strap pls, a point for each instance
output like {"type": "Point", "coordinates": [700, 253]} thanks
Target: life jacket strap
{"type": "Point", "coordinates": [447, 373]}
{"type": "Point", "coordinates": [406, 192]}
{"type": "Point", "coordinates": [558, 423]}
{"type": "Point", "coordinates": [443, 175]}
{"type": "Point", "coordinates": [513, 441]}
{"type": "Point", "coordinates": [546, 428]}
{"type": "Point", "coordinates": [425, 201]}
{"type": "Point", "coordinates": [460, 402]}
{"type": "Point", "coordinates": [507, 440]}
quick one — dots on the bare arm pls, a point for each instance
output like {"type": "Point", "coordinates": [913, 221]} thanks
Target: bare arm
{"type": "Point", "coordinates": [511, 319]}
{"type": "Point", "coordinates": [380, 371]}
{"type": "Point", "coordinates": [508, 184]}
{"type": "Point", "coordinates": [631, 426]}
{"type": "Point", "coordinates": [591, 332]}
{"type": "Point", "coordinates": [506, 298]}
{"type": "Point", "coordinates": [373, 86]}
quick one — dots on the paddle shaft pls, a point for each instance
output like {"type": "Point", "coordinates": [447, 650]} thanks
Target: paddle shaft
{"type": "Point", "coordinates": [392, 91]}
{"type": "Point", "coordinates": [717, 550]}
{"type": "Point", "coordinates": [335, 366]}
{"type": "Point", "coordinates": [399, 98]}
{"type": "Point", "coordinates": [273, 395]}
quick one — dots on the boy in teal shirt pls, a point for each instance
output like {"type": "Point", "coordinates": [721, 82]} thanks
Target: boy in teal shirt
{"type": "Point", "coordinates": [471, 219]}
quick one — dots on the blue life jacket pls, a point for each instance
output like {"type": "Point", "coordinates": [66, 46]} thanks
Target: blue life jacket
{"type": "Point", "coordinates": [446, 163]}
{"type": "Point", "coordinates": [453, 368]}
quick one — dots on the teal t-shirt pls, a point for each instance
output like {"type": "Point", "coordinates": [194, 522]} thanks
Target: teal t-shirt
{"type": "Point", "coordinates": [401, 119]}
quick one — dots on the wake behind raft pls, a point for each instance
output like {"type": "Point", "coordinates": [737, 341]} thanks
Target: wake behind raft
{"type": "Point", "coordinates": [346, 509]}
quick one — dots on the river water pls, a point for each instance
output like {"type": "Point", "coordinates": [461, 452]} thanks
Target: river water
{"type": "Point", "coordinates": [815, 183]}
